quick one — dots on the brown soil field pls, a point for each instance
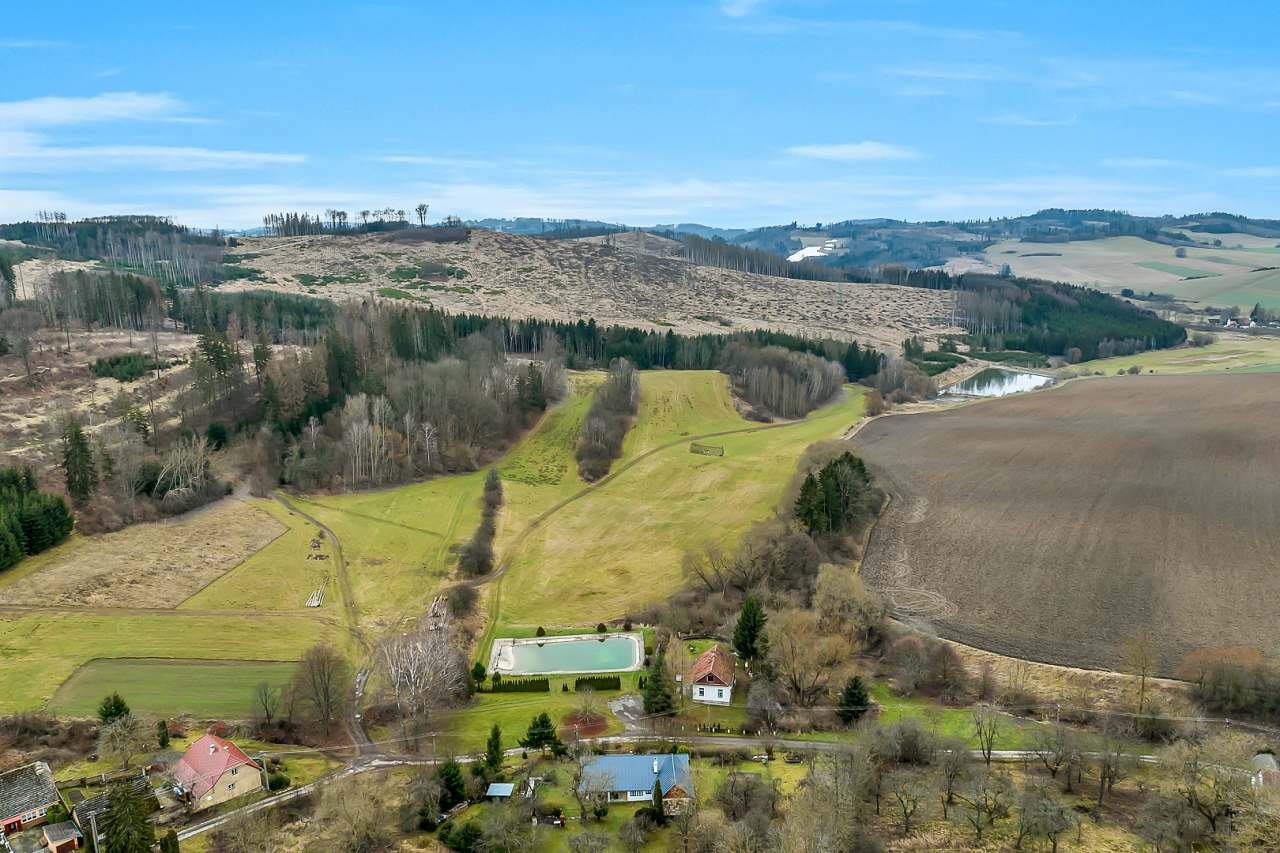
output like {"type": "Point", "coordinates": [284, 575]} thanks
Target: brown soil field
{"type": "Point", "coordinates": [625, 280]}
{"type": "Point", "coordinates": [1055, 524]}
{"type": "Point", "coordinates": [146, 565]}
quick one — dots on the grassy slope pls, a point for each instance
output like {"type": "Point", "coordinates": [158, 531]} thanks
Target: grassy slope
{"type": "Point", "coordinates": [278, 577]}
{"type": "Point", "coordinates": [1229, 352]}
{"type": "Point", "coordinates": [39, 652]}
{"type": "Point", "coordinates": [170, 688]}
{"type": "Point", "coordinates": [397, 541]}
{"type": "Point", "coordinates": [619, 547]}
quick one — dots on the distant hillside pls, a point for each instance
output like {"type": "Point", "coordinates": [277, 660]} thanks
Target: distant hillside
{"type": "Point", "coordinates": [628, 281]}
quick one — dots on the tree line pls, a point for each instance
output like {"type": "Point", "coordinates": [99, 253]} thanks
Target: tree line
{"type": "Point", "coordinates": [777, 381]}
{"type": "Point", "coordinates": [613, 406]}
{"type": "Point", "coordinates": [30, 522]}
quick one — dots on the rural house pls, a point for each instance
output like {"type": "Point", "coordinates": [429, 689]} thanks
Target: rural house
{"type": "Point", "coordinates": [630, 778]}
{"type": "Point", "coordinates": [214, 770]}
{"type": "Point", "coordinates": [26, 795]}
{"type": "Point", "coordinates": [712, 676]}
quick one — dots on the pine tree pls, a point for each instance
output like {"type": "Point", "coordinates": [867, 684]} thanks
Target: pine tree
{"type": "Point", "coordinates": [169, 843]}
{"type": "Point", "coordinates": [810, 510]}
{"type": "Point", "coordinates": [853, 701]}
{"type": "Point", "coordinates": [453, 788]}
{"type": "Point", "coordinates": [162, 734]}
{"type": "Point", "coordinates": [113, 708]}
{"type": "Point", "coordinates": [493, 750]}
{"type": "Point", "coordinates": [124, 824]}
{"type": "Point", "coordinates": [542, 734]}
{"type": "Point", "coordinates": [657, 690]}
{"type": "Point", "coordinates": [77, 464]}
{"type": "Point", "coordinates": [748, 634]}
{"type": "Point", "coordinates": [659, 816]}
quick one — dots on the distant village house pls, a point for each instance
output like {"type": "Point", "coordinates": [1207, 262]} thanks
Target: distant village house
{"type": "Point", "coordinates": [712, 676]}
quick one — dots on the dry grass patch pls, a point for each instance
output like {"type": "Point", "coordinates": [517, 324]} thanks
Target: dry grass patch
{"type": "Point", "coordinates": [147, 565]}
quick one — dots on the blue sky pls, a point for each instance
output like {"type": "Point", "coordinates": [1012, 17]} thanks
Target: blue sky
{"type": "Point", "coordinates": [727, 112]}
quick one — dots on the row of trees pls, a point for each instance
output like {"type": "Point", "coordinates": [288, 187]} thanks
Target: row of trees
{"type": "Point", "coordinates": [781, 382]}
{"type": "Point", "coordinates": [476, 556]}
{"type": "Point", "coordinates": [613, 406]}
{"type": "Point", "coordinates": [296, 224]}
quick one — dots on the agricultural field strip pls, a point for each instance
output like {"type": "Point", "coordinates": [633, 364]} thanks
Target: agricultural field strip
{"type": "Point", "coordinates": [1097, 654]}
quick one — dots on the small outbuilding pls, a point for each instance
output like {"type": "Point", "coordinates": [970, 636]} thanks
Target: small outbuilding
{"type": "Point", "coordinates": [499, 791]}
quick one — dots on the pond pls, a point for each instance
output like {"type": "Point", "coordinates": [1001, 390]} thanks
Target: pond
{"type": "Point", "coordinates": [997, 382]}
{"type": "Point", "coordinates": [557, 655]}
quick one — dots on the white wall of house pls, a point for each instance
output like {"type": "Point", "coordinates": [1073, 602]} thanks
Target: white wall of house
{"type": "Point", "coordinates": [712, 694]}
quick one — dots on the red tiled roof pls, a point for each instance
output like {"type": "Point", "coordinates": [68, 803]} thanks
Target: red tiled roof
{"type": "Point", "coordinates": [204, 762]}
{"type": "Point", "coordinates": [714, 666]}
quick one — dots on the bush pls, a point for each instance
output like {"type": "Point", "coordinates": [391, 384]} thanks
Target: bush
{"type": "Point", "coordinates": [127, 367]}
{"type": "Point", "coordinates": [541, 632]}
{"type": "Point", "coordinates": [462, 600]}
{"type": "Point", "coordinates": [278, 782]}
{"type": "Point", "coordinates": [216, 434]}
{"type": "Point", "coordinates": [602, 628]}
{"type": "Point", "coordinates": [907, 741]}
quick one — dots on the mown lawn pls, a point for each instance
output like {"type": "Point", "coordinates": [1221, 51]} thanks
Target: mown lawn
{"type": "Point", "coordinates": [169, 688]}
{"type": "Point", "coordinates": [39, 652]}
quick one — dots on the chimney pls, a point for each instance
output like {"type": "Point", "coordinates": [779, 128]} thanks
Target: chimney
{"type": "Point", "coordinates": [655, 767]}
{"type": "Point", "coordinates": [213, 748]}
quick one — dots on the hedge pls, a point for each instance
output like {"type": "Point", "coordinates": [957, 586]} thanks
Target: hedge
{"type": "Point", "coordinates": [520, 685]}
{"type": "Point", "coordinates": [598, 682]}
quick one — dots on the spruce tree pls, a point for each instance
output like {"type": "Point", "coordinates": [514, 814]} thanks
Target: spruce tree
{"type": "Point", "coordinates": [493, 750]}
{"type": "Point", "coordinates": [657, 690]}
{"type": "Point", "coordinates": [453, 788]}
{"type": "Point", "coordinates": [659, 816]}
{"type": "Point", "coordinates": [113, 708]}
{"type": "Point", "coordinates": [853, 701]}
{"type": "Point", "coordinates": [169, 843]}
{"type": "Point", "coordinates": [77, 464]}
{"type": "Point", "coordinates": [810, 509]}
{"type": "Point", "coordinates": [124, 824]}
{"type": "Point", "coordinates": [748, 634]}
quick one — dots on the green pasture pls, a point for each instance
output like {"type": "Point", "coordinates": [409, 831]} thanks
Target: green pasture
{"type": "Point", "coordinates": [38, 652]}
{"type": "Point", "coordinates": [170, 688]}
{"type": "Point", "coordinates": [617, 547]}
{"type": "Point", "coordinates": [397, 542]}
{"type": "Point", "coordinates": [1232, 351]}
{"type": "Point", "coordinates": [279, 576]}
{"type": "Point", "coordinates": [1174, 269]}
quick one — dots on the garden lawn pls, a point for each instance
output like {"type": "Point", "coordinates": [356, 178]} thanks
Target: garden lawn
{"type": "Point", "coordinates": [39, 652]}
{"type": "Point", "coordinates": [279, 576]}
{"type": "Point", "coordinates": [617, 548]}
{"type": "Point", "coordinates": [169, 688]}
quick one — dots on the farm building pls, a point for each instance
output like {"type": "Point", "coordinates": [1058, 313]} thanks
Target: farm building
{"type": "Point", "coordinates": [630, 779]}
{"type": "Point", "coordinates": [712, 676]}
{"type": "Point", "coordinates": [214, 770]}
{"type": "Point", "coordinates": [26, 795]}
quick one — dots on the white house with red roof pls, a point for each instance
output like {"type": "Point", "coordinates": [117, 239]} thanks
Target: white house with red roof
{"type": "Point", "coordinates": [214, 770]}
{"type": "Point", "coordinates": [712, 676]}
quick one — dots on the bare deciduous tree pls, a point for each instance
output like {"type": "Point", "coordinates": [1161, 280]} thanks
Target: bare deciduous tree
{"type": "Point", "coordinates": [323, 678]}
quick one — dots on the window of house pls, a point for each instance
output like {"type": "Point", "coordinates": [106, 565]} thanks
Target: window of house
{"type": "Point", "coordinates": [235, 770]}
{"type": "Point", "coordinates": [719, 694]}
{"type": "Point", "coordinates": [231, 786]}
{"type": "Point", "coordinates": [702, 692]}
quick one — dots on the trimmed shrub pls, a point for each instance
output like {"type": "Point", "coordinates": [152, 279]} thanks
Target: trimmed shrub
{"type": "Point", "coordinates": [597, 682]}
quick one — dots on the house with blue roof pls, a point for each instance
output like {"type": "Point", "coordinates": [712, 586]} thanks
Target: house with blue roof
{"type": "Point", "coordinates": [630, 779]}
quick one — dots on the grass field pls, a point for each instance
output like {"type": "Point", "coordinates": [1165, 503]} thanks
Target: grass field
{"type": "Point", "coordinates": [39, 652]}
{"type": "Point", "coordinates": [1231, 352]}
{"type": "Point", "coordinates": [277, 577]}
{"type": "Point", "coordinates": [618, 546]}
{"type": "Point", "coordinates": [1080, 516]}
{"type": "Point", "coordinates": [169, 688]}
{"type": "Point", "coordinates": [1220, 276]}
{"type": "Point", "coordinates": [397, 541]}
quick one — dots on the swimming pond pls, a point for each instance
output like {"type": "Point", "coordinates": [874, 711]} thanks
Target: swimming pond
{"type": "Point", "coordinates": [558, 655]}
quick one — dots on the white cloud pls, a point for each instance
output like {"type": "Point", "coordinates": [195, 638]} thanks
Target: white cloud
{"type": "Point", "coordinates": [109, 106]}
{"type": "Point", "coordinates": [1020, 120]}
{"type": "Point", "coordinates": [956, 73]}
{"type": "Point", "coordinates": [428, 160]}
{"type": "Point", "coordinates": [1254, 172]}
{"type": "Point", "coordinates": [740, 8]}
{"type": "Point", "coordinates": [854, 151]}
{"type": "Point", "coordinates": [27, 151]}
{"type": "Point", "coordinates": [1143, 163]}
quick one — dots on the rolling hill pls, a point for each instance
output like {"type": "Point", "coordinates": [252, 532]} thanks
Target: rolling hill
{"type": "Point", "coordinates": [625, 278]}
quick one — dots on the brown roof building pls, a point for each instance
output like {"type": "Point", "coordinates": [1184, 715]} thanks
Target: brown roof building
{"type": "Point", "coordinates": [712, 676]}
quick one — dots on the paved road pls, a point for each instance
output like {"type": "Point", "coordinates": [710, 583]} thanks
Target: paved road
{"type": "Point", "coordinates": [366, 764]}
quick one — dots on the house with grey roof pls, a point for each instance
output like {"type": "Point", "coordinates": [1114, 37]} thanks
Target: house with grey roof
{"type": "Point", "coordinates": [631, 778]}
{"type": "Point", "coordinates": [26, 795]}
